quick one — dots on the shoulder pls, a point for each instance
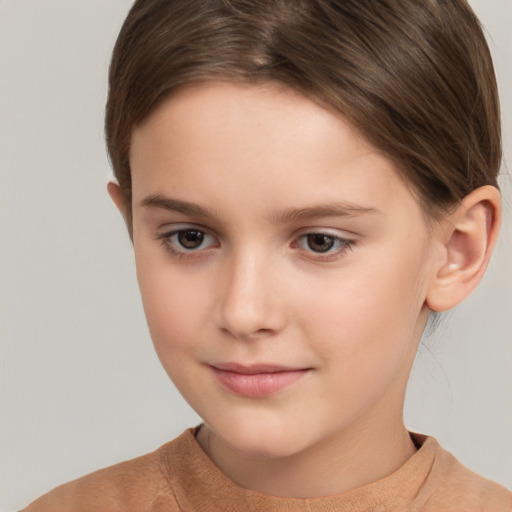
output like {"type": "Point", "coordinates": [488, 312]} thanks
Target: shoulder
{"type": "Point", "coordinates": [137, 484]}
{"type": "Point", "coordinates": [453, 486]}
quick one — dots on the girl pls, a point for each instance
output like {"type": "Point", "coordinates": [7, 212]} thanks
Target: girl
{"type": "Point", "coordinates": [305, 183]}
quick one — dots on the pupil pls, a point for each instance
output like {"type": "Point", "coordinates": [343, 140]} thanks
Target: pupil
{"type": "Point", "coordinates": [320, 243]}
{"type": "Point", "coordinates": [190, 239]}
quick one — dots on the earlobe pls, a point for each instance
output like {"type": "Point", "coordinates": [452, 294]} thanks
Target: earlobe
{"type": "Point", "coordinates": [470, 234]}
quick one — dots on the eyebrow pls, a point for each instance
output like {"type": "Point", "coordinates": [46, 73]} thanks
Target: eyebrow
{"type": "Point", "coordinates": [176, 205]}
{"type": "Point", "coordinates": [342, 209]}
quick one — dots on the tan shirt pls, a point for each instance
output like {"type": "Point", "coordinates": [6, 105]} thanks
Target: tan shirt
{"type": "Point", "coordinates": [179, 476]}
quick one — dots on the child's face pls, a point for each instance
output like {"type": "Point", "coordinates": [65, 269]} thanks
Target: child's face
{"type": "Point", "coordinates": [269, 236]}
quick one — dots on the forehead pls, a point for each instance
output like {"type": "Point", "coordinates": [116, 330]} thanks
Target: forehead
{"type": "Point", "coordinates": [213, 108]}
{"type": "Point", "coordinates": [267, 144]}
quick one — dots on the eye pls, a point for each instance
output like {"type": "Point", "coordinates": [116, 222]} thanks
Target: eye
{"type": "Point", "coordinates": [187, 240]}
{"type": "Point", "coordinates": [323, 243]}
{"type": "Point", "coordinates": [190, 238]}
{"type": "Point", "coordinates": [319, 242]}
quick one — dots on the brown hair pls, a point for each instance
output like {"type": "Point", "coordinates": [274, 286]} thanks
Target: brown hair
{"type": "Point", "coordinates": [414, 76]}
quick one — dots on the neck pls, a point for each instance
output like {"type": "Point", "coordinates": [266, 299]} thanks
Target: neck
{"type": "Point", "coordinates": [345, 461]}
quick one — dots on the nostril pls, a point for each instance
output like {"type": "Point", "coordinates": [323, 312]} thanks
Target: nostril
{"type": "Point", "coordinates": [264, 331]}
{"type": "Point", "coordinates": [247, 334]}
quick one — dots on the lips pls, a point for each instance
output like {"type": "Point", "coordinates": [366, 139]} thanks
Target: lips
{"type": "Point", "coordinates": [256, 381]}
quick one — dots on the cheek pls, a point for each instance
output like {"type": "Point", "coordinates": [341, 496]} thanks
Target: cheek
{"type": "Point", "coordinates": [175, 308]}
{"type": "Point", "coordinates": [366, 352]}
{"type": "Point", "coordinates": [369, 314]}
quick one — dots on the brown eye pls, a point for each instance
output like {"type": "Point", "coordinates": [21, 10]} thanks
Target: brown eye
{"type": "Point", "coordinates": [323, 246]}
{"type": "Point", "coordinates": [190, 238]}
{"type": "Point", "coordinates": [319, 242]}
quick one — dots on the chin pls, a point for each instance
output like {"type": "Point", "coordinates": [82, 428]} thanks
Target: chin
{"type": "Point", "coordinates": [262, 449]}
{"type": "Point", "coordinates": [261, 440]}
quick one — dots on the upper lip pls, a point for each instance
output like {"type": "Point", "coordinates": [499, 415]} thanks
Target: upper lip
{"type": "Point", "coordinates": [253, 369]}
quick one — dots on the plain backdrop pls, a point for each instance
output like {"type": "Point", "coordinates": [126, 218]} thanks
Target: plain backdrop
{"type": "Point", "coordinates": [81, 387]}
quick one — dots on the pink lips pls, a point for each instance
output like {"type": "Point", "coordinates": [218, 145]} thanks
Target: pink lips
{"type": "Point", "coordinates": [256, 381]}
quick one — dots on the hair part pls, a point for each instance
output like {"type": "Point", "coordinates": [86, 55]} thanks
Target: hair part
{"type": "Point", "coordinates": [415, 77]}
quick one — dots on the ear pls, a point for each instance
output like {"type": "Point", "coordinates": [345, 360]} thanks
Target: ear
{"type": "Point", "coordinates": [469, 234]}
{"type": "Point", "coordinates": [117, 196]}
{"type": "Point", "coordinates": [114, 191]}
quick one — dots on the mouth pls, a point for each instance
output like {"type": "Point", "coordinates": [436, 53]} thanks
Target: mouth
{"type": "Point", "coordinates": [256, 381]}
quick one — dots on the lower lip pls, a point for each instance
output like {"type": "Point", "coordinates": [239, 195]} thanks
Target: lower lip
{"type": "Point", "coordinates": [258, 385]}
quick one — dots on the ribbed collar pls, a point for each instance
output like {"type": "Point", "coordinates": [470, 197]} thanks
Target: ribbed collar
{"type": "Point", "coordinates": [198, 484]}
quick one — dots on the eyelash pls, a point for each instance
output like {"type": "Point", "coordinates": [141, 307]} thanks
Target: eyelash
{"type": "Point", "coordinates": [343, 244]}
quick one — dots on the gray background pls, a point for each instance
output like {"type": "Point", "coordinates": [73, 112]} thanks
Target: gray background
{"type": "Point", "coordinates": [80, 385]}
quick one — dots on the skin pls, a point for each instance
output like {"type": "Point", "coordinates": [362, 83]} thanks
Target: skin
{"type": "Point", "coordinates": [253, 161]}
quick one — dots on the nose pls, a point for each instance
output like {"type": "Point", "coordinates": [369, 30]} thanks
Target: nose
{"type": "Point", "coordinates": [252, 298]}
